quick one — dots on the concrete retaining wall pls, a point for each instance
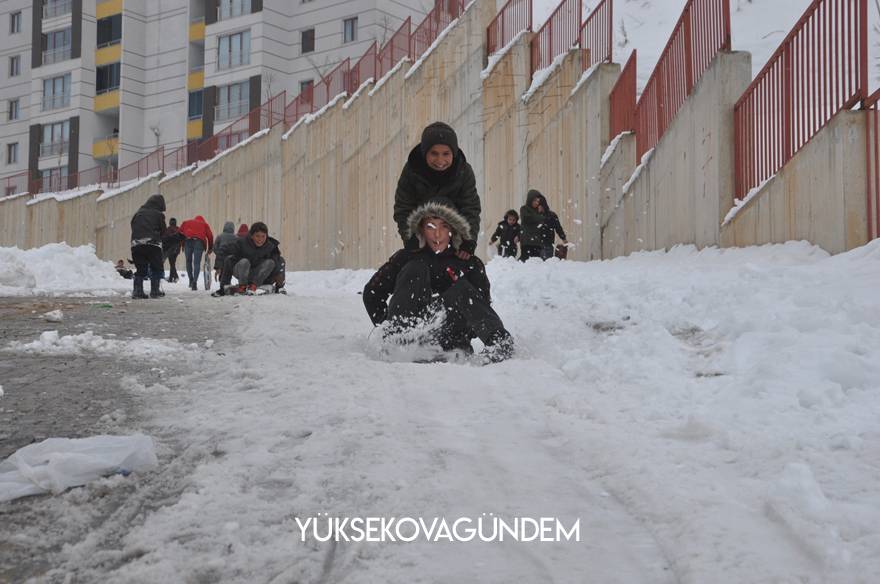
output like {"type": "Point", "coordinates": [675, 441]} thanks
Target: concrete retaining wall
{"type": "Point", "coordinates": [819, 196]}
{"type": "Point", "coordinates": [326, 189]}
{"type": "Point", "coordinates": [685, 187]}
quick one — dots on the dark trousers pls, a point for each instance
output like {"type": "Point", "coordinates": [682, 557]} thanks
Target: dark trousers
{"type": "Point", "coordinates": [172, 266]}
{"type": "Point", "coordinates": [468, 314]}
{"type": "Point", "coordinates": [545, 252]}
{"type": "Point", "coordinates": [507, 250]}
{"type": "Point", "coordinates": [252, 274]}
{"type": "Point", "coordinates": [193, 250]}
{"type": "Point", "coordinates": [147, 260]}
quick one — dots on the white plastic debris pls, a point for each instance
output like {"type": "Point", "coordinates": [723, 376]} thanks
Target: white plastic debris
{"type": "Point", "coordinates": [56, 464]}
{"type": "Point", "coordinates": [54, 316]}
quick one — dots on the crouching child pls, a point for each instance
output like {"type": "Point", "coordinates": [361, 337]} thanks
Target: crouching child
{"type": "Point", "coordinates": [255, 261]}
{"type": "Point", "coordinates": [422, 282]}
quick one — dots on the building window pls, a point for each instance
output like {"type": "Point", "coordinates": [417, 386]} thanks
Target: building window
{"type": "Point", "coordinates": [13, 112]}
{"type": "Point", "coordinates": [15, 65]}
{"type": "Point", "coordinates": [195, 104]}
{"type": "Point", "coordinates": [232, 8]}
{"type": "Point", "coordinates": [56, 92]}
{"type": "Point", "coordinates": [232, 101]}
{"type": "Point", "coordinates": [12, 153]}
{"type": "Point", "coordinates": [15, 22]}
{"type": "Point", "coordinates": [53, 8]}
{"type": "Point", "coordinates": [307, 40]}
{"type": "Point", "coordinates": [57, 45]}
{"type": "Point", "coordinates": [234, 50]}
{"type": "Point", "coordinates": [107, 78]}
{"type": "Point", "coordinates": [55, 137]}
{"type": "Point", "coordinates": [349, 30]}
{"type": "Point", "coordinates": [109, 30]}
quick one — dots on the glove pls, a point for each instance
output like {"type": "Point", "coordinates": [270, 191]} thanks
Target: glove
{"type": "Point", "coordinates": [468, 245]}
{"type": "Point", "coordinates": [411, 244]}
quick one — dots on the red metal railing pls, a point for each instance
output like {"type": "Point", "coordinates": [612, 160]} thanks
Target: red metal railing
{"type": "Point", "coordinates": [300, 106]}
{"type": "Point", "coordinates": [54, 181]}
{"type": "Point", "coordinates": [623, 100]}
{"type": "Point", "coordinates": [363, 70]}
{"type": "Point", "coordinates": [395, 49]}
{"type": "Point", "coordinates": [513, 17]}
{"type": "Point", "coordinates": [819, 69]}
{"type": "Point", "coordinates": [331, 85]}
{"type": "Point", "coordinates": [702, 30]}
{"type": "Point", "coordinates": [17, 183]}
{"type": "Point", "coordinates": [152, 162]}
{"type": "Point", "coordinates": [260, 118]}
{"type": "Point", "coordinates": [872, 155]}
{"type": "Point", "coordinates": [557, 35]}
{"type": "Point", "coordinates": [181, 157]}
{"type": "Point", "coordinates": [597, 34]}
{"type": "Point", "coordinates": [441, 16]}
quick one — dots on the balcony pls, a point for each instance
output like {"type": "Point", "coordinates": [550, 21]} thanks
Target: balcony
{"type": "Point", "coordinates": [230, 111]}
{"type": "Point", "coordinates": [52, 102]}
{"type": "Point", "coordinates": [55, 9]}
{"type": "Point", "coordinates": [108, 100]}
{"type": "Point", "coordinates": [197, 30]}
{"type": "Point", "coordinates": [195, 80]}
{"type": "Point", "coordinates": [194, 129]}
{"type": "Point", "coordinates": [110, 53]}
{"type": "Point", "coordinates": [106, 147]}
{"type": "Point", "coordinates": [53, 149]}
{"type": "Point", "coordinates": [56, 55]}
{"type": "Point", "coordinates": [108, 8]}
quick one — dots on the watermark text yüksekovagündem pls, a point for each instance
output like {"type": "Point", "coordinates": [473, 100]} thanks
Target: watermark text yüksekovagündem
{"type": "Point", "coordinates": [486, 527]}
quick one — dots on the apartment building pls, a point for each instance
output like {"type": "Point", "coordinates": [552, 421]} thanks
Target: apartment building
{"type": "Point", "coordinates": [88, 83]}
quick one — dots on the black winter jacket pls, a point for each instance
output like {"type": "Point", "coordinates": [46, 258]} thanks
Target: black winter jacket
{"type": "Point", "coordinates": [381, 285]}
{"type": "Point", "coordinates": [539, 228]}
{"type": "Point", "coordinates": [148, 223]}
{"type": "Point", "coordinates": [244, 248]}
{"type": "Point", "coordinates": [223, 240]}
{"type": "Point", "coordinates": [506, 234]}
{"type": "Point", "coordinates": [418, 184]}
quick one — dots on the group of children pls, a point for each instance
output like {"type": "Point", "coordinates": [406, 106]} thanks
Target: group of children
{"type": "Point", "coordinates": [536, 234]}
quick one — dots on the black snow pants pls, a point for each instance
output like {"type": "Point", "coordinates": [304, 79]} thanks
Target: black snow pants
{"type": "Point", "coordinates": [468, 314]}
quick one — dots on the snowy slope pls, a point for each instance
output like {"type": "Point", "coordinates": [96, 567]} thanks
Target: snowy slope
{"type": "Point", "coordinates": [708, 416]}
{"type": "Point", "coordinates": [757, 26]}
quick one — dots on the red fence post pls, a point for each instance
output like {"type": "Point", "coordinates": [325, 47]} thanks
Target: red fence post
{"type": "Point", "coordinates": [688, 52]}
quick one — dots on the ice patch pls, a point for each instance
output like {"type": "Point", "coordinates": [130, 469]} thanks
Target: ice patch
{"type": "Point", "coordinates": [52, 343]}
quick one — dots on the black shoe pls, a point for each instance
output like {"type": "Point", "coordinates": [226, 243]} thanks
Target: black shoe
{"type": "Point", "coordinates": [138, 290]}
{"type": "Point", "coordinates": [155, 291]}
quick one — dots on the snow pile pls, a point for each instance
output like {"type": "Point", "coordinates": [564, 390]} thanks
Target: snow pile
{"type": "Point", "coordinates": [57, 269]}
{"type": "Point", "coordinates": [52, 343]}
{"type": "Point", "coordinates": [709, 416]}
{"type": "Point", "coordinates": [56, 464]}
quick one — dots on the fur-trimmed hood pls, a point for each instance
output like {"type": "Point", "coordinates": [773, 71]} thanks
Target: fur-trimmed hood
{"type": "Point", "coordinates": [457, 223]}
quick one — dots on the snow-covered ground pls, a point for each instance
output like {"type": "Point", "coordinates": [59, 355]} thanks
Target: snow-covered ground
{"type": "Point", "coordinates": [757, 26]}
{"type": "Point", "coordinates": [708, 417]}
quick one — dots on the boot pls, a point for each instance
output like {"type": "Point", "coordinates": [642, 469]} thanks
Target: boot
{"type": "Point", "coordinates": [138, 291]}
{"type": "Point", "coordinates": [499, 347]}
{"type": "Point", "coordinates": [155, 292]}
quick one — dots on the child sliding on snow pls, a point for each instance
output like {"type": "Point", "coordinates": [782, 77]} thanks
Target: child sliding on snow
{"type": "Point", "coordinates": [432, 279]}
{"type": "Point", "coordinates": [507, 234]}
